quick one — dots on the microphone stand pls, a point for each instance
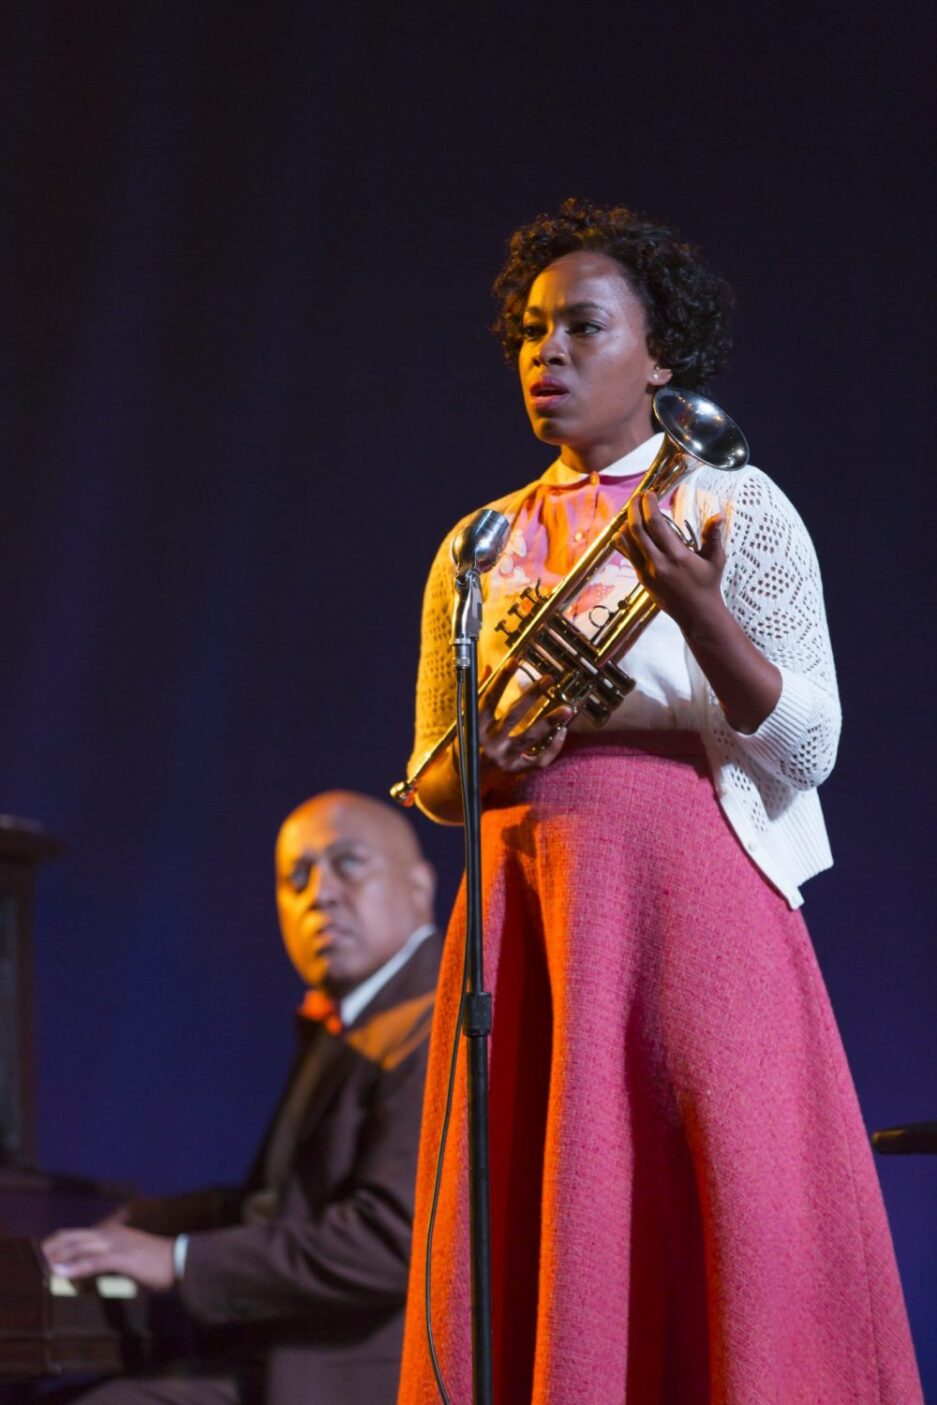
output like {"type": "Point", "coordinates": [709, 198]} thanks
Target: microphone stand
{"type": "Point", "coordinates": [466, 624]}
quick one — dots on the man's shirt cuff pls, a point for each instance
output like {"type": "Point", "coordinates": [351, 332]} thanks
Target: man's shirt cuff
{"type": "Point", "coordinates": [180, 1248]}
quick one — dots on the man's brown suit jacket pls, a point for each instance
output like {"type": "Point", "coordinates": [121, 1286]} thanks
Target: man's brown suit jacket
{"type": "Point", "coordinates": [315, 1295]}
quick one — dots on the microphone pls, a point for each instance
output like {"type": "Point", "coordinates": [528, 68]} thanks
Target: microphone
{"type": "Point", "coordinates": [475, 549]}
{"type": "Point", "coordinates": [478, 545]}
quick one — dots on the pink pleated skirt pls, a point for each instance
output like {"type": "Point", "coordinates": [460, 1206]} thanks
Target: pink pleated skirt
{"type": "Point", "coordinates": [684, 1205]}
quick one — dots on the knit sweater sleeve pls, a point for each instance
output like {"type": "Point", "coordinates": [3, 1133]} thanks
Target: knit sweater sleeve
{"type": "Point", "coordinates": [435, 684]}
{"type": "Point", "coordinates": [772, 586]}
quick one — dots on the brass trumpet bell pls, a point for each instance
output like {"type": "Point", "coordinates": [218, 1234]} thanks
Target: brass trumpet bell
{"type": "Point", "coordinates": [699, 428]}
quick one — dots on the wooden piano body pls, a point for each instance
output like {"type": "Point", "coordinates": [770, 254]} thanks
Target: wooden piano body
{"type": "Point", "coordinates": [45, 1330]}
{"type": "Point", "coordinates": [50, 1328]}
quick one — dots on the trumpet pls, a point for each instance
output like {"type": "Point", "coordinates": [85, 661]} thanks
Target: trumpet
{"type": "Point", "coordinates": [582, 670]}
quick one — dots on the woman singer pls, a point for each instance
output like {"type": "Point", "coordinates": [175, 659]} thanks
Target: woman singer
{"type": "Point", "coordinates": [684, 1206]}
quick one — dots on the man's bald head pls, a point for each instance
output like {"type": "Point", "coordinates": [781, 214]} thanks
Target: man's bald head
{"type": "Point", "coordinates": [385, 823]}
{"type": "Point", "coordinates": [352, 886]}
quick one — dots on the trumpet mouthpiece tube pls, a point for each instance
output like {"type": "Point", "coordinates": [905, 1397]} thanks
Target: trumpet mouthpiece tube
{"type": "Point", "coordinates": [403, 793]}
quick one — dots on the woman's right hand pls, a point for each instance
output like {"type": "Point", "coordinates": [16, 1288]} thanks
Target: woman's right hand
{"type": "Point", "coordinates": [439, 794]}
{"type": "Point", "coordinates": [506, 743]}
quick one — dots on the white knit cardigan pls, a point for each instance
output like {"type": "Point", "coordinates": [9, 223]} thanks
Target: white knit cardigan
{"type": "Point", "coordinates": [766, 781]}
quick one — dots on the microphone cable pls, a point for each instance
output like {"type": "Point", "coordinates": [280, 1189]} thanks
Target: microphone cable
{"type": "Point", "coordinates": [450, 1089]}
{"type": "Point", "coordinates": [474, 550]}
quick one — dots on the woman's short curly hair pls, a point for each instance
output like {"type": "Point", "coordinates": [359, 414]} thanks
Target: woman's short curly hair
{"type": "Point", "coordinates": [688, 306]}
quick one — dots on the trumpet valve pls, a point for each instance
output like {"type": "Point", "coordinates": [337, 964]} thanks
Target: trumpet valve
{"type": "Point", "coordinates": [522, 608]}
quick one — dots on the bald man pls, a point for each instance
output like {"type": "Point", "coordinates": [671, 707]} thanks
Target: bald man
{"type": "Point", "coordinates": [303, 1271]}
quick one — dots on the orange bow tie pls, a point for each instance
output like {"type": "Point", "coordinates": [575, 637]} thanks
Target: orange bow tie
{"type": "Point", "coordinates": [319, 1006]}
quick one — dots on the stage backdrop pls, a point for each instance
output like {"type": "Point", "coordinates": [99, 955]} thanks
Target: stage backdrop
{"type": "Point", "coordinates": [246, 385]}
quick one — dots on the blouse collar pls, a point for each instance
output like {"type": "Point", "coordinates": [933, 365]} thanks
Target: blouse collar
{"type": "Point", "coordinates": [637, 462]}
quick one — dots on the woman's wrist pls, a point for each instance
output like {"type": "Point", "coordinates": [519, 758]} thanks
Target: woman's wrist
{"type": "Point", "coordinates": [707, 623]}
{"type": "Point", "coordinates": [746, 683]}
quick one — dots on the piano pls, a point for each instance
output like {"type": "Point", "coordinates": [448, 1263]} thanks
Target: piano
{"type": "Point", "coordinates": [48, 1327]}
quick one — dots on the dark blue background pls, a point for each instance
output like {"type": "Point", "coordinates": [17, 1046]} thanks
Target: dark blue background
{"type": "Point", "coordinates": [245, 387]}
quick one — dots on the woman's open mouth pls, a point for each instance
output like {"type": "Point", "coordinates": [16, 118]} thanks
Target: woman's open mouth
{"type": "Point", "coordinates": [547, 393]}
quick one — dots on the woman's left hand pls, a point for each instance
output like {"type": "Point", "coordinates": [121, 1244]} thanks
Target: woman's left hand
{"type": "Point", "coordinates": [686, 584]}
